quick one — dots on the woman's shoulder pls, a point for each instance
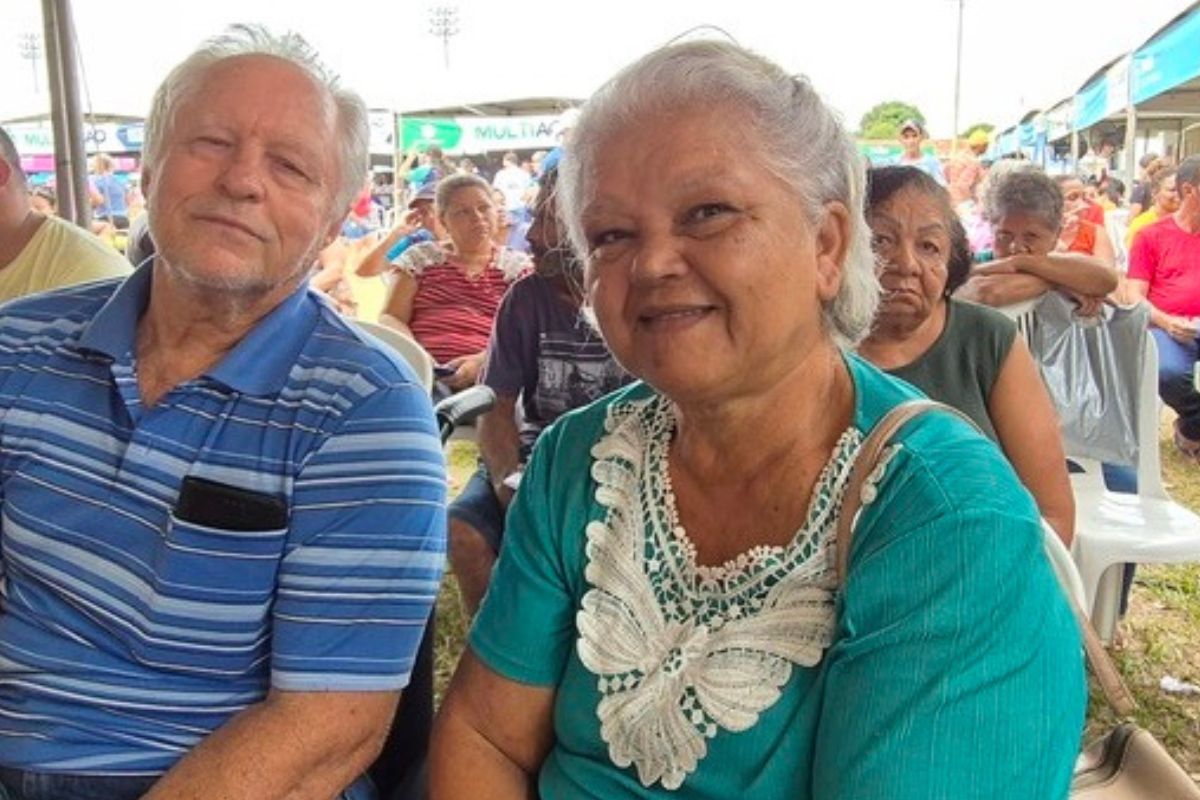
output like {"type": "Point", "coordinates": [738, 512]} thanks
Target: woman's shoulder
{"type": "Point", "coordinates": [972, 321]}
{"type": "Point", "coordinates": [422, 256]}
{"type": "Point", "coordinates": [573, 434]}
{"type": "Point", "coordinates": [940, 448]}
{"type": "Point", "coordinates": [513, 264]}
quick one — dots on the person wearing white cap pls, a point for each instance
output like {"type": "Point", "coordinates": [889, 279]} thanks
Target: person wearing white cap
{"type": "Point", "coordinates": [912, 133]}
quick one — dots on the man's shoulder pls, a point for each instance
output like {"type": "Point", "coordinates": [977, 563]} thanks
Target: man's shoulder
{"type": "Point", "coordinates": [338, 347]}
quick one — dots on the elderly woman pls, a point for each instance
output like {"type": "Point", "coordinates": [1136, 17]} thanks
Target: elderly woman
{"type": "Point", "coordinates": [960, 353]}
{"type": "Point", "coordinates": [665, 619]}
{"type": "Point", "coordinates": [1026, 209]}
{"type": "Point", "coordinates": [445, 294]}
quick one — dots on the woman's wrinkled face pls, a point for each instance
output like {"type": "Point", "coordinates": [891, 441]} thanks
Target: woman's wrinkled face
{"type": "Point", "coordinates": [1074, 198]}
{"type": "Point", "coordinates": [911, 240]}
{"type": "Point", "coordinates": [706, 277]}
{"type": "Point", "coordinates": [1019, 232]}
{"type": "Point", "coordinates": [470, 217]}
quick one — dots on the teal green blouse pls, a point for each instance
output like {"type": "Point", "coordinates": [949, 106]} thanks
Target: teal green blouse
{"type": "Point", "coordinates": [949, 666]}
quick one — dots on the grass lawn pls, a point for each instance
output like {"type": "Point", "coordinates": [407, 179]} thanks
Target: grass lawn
{"type": "Point", "coordinates": [1161, 632]}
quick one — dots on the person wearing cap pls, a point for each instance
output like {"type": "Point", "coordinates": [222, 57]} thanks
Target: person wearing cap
{"type": "Point", "coordinates": [420, 216]}
{"type": "Point", "coordinates": [911, 135]}
{"type": "Point", "coordinates": [965, 172]}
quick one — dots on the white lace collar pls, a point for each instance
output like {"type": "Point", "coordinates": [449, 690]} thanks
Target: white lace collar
{"type": "Point", "coordinates": [681, 651]}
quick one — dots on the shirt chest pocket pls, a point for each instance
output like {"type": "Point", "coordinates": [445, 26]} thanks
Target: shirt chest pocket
{"type": "Point", "coordinates": [208, 609]}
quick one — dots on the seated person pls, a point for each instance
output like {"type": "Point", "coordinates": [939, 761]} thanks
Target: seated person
{"type": "Point", "coordinates": [544, 355]}
{"type": "Point", "coordinates": [40, 251]}
{"type": "Point", "coordinates": [1083, 228]}
{"type": "Point", "coordinates": [1026, 211]}
{"type": "Point", "coordinates": [221, 507]}
{"type": "Point", "coordinates": [445, 294]}
{"type": "Point", "coordinates": [420, 216]}
{"type": "Point", "coordinates": [1163, 272]}
{"type": "Point", "coordinates": [960, 353]}
{"type": "Point", "coordinates": [1164, 203]}
{"type": "Point", "coordinates": [667, 618]}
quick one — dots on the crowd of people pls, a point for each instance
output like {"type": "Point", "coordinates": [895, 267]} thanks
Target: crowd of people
{"type": "Point", "coordinates": [224, 507]}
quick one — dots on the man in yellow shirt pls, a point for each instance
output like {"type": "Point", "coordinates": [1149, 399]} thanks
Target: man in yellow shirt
{"type": "Point", "coordinates": [1165, 203]}
{"type": "Point", "coordinates": [39, 252]}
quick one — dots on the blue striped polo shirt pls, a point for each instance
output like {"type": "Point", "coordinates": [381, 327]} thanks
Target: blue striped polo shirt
{"type": "Point", "coordinates": [128, 632]}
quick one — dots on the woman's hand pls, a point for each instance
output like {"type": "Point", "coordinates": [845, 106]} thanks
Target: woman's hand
{"type": "Point", "coordinates": [1181, 329]}
{"type": "Point", "coordinates": [466, 371]}
{"type": "Point", "coordinates": [1087, 305]}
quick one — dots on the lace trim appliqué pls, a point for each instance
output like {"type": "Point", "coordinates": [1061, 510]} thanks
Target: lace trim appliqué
{"type": "Point", "coordinates": [681, 650]}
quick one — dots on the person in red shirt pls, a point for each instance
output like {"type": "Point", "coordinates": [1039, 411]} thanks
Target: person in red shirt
{"type": "Point", "coordinates": [1164, 270]}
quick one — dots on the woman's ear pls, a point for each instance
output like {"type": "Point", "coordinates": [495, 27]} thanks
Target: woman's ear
{"type": "Point", "coordinates": [832, 245]}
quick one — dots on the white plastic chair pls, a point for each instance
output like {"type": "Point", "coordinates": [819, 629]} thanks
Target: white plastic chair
{"type": "Point", "coordinates": [1112, 529]}
{"type": "Point", "coordinates": [405, 347]}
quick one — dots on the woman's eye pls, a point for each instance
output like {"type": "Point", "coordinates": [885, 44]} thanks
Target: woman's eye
{"type": "Point", "coordinates": [291, 168]}
{"type": "Point", "coordinates": [707, 211]}
{"type": "Point", "coordinates": [879, 240]}
{"type": "Point", "coordinates": [605, 238]}
{"type": "Point", "coordinates": [933, 248]}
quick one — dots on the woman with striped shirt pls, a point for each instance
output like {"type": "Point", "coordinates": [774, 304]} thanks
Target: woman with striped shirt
{"type": "Point", "coordinates": [445, 294]}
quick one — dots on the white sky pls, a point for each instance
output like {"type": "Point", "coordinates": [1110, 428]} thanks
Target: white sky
{"type": "Point", "coordinates": [1017, 54]}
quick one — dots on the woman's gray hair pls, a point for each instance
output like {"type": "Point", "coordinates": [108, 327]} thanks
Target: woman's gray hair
{"type": "Point", "coordinates": [1025, 191]}
{"type": "Point", "coordinates": [448, 186]}
{"type": "Point", "coordinates": [803, 142]}
{"type": "Point", "coordinates": [352, 136]}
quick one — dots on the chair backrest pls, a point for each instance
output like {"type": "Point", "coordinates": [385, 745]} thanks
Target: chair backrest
{"type": "Point", "coordinates": [1023, 315]}
{"type": "Point", "coordinates": [1116, 222]}
{"type": "Point", "coordinates": [405, 347]}
{"type": "Point", "coordinates": [1149, 461]}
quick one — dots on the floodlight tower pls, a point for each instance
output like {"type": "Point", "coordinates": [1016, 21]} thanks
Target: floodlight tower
{"type": "Point", "coordinates": [29, 45]}
{"type": "Point", "coordinates": [443, 23]}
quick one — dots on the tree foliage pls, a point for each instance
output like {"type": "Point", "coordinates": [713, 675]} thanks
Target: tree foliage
{"type": "Point", "coordinates": [986, 127]}
{"type": "Point", "coordinates": [884, 119]}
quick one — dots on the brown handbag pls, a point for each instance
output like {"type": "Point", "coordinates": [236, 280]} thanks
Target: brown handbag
{"type": "Point", "coordinates": [1128, 763]}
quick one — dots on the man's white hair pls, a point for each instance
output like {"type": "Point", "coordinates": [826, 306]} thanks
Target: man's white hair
{"type": "Point", "coordinates": [352, 135]}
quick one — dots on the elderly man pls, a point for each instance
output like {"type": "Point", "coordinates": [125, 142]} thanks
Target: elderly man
{"type": "Point", "coordinates": [40, 252]}
{"type": "Point", "coordinates": [222, 508]}
{"type": "Point", "coordinates": [1163, 270]}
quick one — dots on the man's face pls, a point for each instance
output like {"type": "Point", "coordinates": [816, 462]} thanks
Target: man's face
{"type": "Point", "coordinates": [241, 198]}
{"type": "Point", "coordinates": [910, 138]}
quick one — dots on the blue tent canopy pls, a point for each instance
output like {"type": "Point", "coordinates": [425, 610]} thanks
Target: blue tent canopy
{"type": "Point", "coordinates": [1170, 59]}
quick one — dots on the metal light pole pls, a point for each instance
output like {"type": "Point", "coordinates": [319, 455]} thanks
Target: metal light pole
{"type": "Point", "coordinates": [443, 23]}
{"type": "Point", "coordinates": [30, 47]}
{"type": "Point", "coordinates": [957, 81]}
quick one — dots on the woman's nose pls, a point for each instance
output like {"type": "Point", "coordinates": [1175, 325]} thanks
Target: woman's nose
{"type": "Point", "coordinates": [657, 257]}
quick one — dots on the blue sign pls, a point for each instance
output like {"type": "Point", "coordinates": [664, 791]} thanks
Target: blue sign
{"type": "Point", "coordinates": [1170, 60]}
{"type": "Point", "coordinates": [1091, 104]}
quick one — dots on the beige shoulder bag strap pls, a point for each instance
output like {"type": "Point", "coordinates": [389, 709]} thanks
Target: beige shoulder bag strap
{"type": "Point", "coordinates": [1115, 690]}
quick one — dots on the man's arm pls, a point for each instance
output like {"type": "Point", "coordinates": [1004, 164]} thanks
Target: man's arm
{"type": "Point", "coordinates": [352, 597]}
{"type": "Point", "coordinates": [291, 746]}
{"type": "Point", "coordinates": [500, 444]}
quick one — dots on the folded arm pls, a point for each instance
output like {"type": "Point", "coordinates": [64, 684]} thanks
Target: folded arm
{"type": "Point", "coordinates": [291, 746]}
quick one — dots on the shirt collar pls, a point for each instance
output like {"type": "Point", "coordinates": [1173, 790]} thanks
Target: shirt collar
{"type": "Point", "coordinates": [257, 365]}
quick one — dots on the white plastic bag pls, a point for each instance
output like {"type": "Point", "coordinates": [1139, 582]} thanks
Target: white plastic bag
{"type": "Point", "coordinates": [1091, 367]}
